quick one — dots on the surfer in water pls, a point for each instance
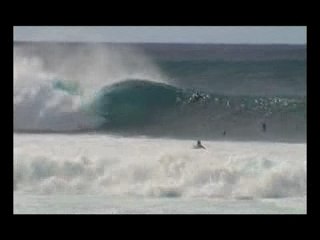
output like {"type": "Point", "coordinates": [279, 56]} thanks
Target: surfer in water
{"type": "Point", "coordinates": [264, 127]}
{"type": "Point", "coordinates": [196, 97]}
{"type": "Point", "coordinates": [199, 145]}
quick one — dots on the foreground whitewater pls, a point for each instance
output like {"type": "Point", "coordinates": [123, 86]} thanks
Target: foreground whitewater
{"type": "Point", "coordinates": [94, 173]}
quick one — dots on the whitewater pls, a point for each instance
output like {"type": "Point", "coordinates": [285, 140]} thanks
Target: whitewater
{"type": "Point", "coordinates": [110, 129]}
{"type": "Point", "coordinates": [53, 168]}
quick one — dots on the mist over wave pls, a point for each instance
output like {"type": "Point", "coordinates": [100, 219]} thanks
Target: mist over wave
{"type": "Point", "coordinates": [42, 104]}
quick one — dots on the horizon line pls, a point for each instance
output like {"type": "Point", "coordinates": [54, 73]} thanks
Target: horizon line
{"type": "Point", "coordinates": [108, 42]}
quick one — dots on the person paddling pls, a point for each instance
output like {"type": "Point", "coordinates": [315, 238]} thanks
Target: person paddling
{"type": "Point", "coordinates": [199, 145]}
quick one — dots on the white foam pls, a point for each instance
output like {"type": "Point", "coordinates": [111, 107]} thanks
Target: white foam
{"type": "Point", "coordinates": [160, 168]}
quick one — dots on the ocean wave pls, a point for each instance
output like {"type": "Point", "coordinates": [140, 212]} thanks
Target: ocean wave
{"type": "Point", "coordinates": [141, 106]}
{"type": "Point", "coordinates": [102, 89]}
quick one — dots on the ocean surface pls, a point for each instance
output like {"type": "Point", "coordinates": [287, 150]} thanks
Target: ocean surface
{"type": "Point", "coordinates": [110, 128]}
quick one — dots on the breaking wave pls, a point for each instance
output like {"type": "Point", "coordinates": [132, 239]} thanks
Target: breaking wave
{"type": "Point", "coordinates": [104, 90]}
{"type": "Point", "coordinates": [143, 106]}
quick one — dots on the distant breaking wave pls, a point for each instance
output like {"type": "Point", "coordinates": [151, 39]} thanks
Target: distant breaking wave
{"type": "Point", "coordinates": [146, 107]}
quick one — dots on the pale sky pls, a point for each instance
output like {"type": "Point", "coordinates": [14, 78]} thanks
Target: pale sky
{"type": "Point", "coordinates": [166, 34]}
